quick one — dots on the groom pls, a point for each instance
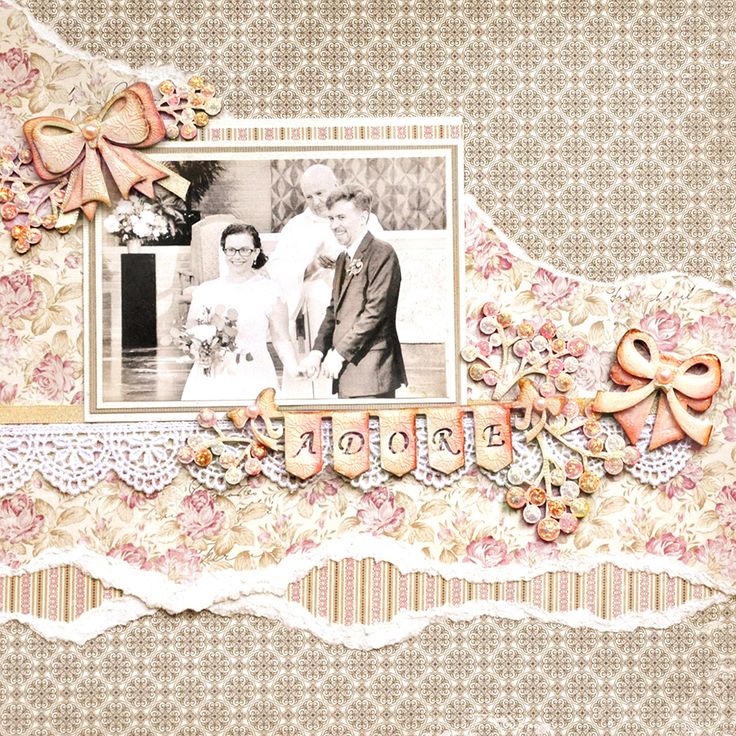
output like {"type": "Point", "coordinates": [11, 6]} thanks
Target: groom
{"type": "Point", "coordinates": [357, 344]}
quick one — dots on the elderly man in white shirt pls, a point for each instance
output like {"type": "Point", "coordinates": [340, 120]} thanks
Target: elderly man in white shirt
{"type": "Point", "coordinates": [303, 263]}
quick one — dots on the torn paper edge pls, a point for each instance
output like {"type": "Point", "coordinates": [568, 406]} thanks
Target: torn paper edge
{"type": "Point", "coordinates": [402, 627]}
{"type": "Point", "coordinates": [209, 587]}
{"type": "Point", "coordinates": [408, 624]}
{"type": "Point", "coordinates": [90, 624]}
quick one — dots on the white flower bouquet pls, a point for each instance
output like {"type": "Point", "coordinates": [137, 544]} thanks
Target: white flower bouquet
{"type": "Point", "coordinates": [211, 338]}
{"type": "Point", "coordinates": [140, 218]}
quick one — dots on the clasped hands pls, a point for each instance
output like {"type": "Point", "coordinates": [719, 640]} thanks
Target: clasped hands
{"type": "Point", "coordinates": [321, 260]}
{"type": "Point", "coordinates": [331, 365]}
{"type": "Point", "coordinates": [326, 261]}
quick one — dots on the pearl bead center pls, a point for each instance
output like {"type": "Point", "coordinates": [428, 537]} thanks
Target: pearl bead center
{"type": "Point", "coordinates": [665, 375]}
{"type": "Point", "coordinates": [90, 131]}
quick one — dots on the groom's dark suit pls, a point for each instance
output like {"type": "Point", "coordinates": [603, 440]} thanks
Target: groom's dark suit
{"type": "Point", "coordinates": [360, 322]}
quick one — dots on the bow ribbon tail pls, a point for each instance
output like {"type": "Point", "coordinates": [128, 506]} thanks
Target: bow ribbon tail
{"type": "Point", "coordinates": [86, 186]}
{"type": "Point", "coordinates": [633, 420]}
{"type": "Point", "coordinates": [630, 408]}
{"type": "Point", "coordinates": [689, 425]}
{"type": "Point", "coordinates": [128, 169]}
{"type": "Point", "coordinates": [133, 170]}
{"type": "Point", "coordinates": [666, 427]}
{"type": "Point", "coordinates": [175, 183]}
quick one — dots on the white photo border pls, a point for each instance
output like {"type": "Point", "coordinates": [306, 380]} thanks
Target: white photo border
{"type": "Point", "coordinates": [284, 139]}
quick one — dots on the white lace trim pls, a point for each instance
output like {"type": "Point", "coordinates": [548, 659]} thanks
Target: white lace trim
{"type": "Point", "coordinates": [76, 457]}
{"type": "Point", "coordinates": [656, 467]}
{"type": "Point", "coordinates": [208, 587]}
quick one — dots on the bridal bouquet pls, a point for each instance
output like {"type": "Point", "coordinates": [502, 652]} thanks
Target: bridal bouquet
{"type": "Point", "coordinates": [211, 338]}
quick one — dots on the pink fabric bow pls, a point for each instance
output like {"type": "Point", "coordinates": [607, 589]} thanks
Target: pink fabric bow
{"type": "Point", "coordinates": [128, 120]}
{"type": "Point", "coordinates": [689, 383]}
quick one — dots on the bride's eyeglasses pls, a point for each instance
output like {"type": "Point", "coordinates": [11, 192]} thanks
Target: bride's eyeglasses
{"type": "Point", "coordinates": [242, 253]}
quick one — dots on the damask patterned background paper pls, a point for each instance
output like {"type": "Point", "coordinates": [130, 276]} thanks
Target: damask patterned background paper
{"type": "Point", "coordinates": [197, 674]}
{"type": "Point", "coordinates": [599, 136]}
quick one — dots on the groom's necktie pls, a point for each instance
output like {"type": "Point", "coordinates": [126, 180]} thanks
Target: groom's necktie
{"type": "Point", "coordinates": [343, 275]}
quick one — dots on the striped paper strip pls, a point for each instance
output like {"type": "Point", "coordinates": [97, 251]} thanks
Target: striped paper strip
{"type": "Point", "coordinates": [369, 591]}
{"type": "Point", "coordinates": [311, 133]}
{"type": "Point", "coordinates": [57, 594]}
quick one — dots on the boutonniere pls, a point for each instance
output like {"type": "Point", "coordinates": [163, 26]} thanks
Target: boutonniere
{"type": "Point", "coordinates": [354, 267]}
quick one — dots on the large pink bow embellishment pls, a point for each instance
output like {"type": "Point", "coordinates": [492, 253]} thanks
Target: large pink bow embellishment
{"type": "Point", "coordinates": [684, 384]}
{"type": "Point", "coordinates": [128, 120]}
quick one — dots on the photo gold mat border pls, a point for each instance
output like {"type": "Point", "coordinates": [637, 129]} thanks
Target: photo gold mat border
{"type": "Point", "coordinates": [34, 414]}
{"type": "Point", "coordinates": [93, 412]}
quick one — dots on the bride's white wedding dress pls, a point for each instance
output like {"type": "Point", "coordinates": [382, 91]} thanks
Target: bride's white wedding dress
{"type": "Point", "coordinates": [242, 374]}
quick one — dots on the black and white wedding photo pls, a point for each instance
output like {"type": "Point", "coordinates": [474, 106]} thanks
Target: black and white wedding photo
{"type": "Point", "coordinates": [329, 275]}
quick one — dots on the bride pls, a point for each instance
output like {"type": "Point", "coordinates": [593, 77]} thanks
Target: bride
{"type": "Point", "coordinates": [245, 306]}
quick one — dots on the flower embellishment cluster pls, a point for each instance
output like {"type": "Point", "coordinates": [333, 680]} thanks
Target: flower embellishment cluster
{"type": "Point", "coordinates": [506, 353]}
{"type": "Point", "coordinates": [184, 109]}
{"type": "Point", "coordinates": [532, 368]}
{"type": "Point", "coordinates": [28, 205]}
{"type": "Point", "coordinates": [237, 456]}
{"type": "Point", "coordinates": [576, 452]}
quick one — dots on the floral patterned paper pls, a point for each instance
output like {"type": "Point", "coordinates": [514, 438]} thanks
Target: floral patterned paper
{"type": "Point", "coordinates": [41, 326]}
{"type": "Point", "coordinates": [642, 184]}
{"type": "Point", "coordinates": [185, 529]}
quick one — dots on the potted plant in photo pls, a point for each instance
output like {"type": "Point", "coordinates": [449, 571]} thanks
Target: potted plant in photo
{"type": "Point", "coordinates": [201, 175]}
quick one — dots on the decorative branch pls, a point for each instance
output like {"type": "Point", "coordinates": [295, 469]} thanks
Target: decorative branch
{"type": "Point", "coordinates": [28, 205]}
{"type": "Point", "coordinates": [236, 455]}
{"type": "Point", "coordinates": [186, 108]}
{"type": "Point", "coordinates": [534, 367]}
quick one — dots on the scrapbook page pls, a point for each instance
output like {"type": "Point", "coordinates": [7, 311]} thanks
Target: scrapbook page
{"type": "Point", "coordinates": [367, 368]}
